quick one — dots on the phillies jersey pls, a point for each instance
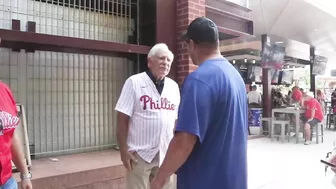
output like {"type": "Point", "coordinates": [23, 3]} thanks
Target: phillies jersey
{"type": "Point", "coordinates": [8, 122]}
{"type": "Point", "coordinates": [313, 104]}
{"type": "Point", "coordinates": [152, 115]}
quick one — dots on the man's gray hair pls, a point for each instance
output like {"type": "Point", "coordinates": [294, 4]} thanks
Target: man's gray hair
{"type": "Point", "coordinates": [160, 47]}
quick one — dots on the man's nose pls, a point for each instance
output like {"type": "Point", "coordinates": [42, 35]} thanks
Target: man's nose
{"type": "Point", "coordinates": [165, 62]}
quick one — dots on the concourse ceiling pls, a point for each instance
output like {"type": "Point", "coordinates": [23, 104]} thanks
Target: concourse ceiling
{"type": "Point", "coordinates": [295, 24]}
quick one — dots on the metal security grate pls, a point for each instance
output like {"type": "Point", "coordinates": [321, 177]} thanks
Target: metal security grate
{"type": "Point", "coordinates": [69, 98]}
{"type": "Point", "coordinates": [112, 20]}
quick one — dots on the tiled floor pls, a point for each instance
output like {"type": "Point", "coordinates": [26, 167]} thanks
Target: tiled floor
{"type": "Point", "coordinates": [276, 165]}
{"type": "Point", "coordinates": [272, 165]}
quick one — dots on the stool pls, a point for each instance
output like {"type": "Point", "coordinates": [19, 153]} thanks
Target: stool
{"type": "Point", "coordinates": [268, 121]}
{"type": "Point", "coordinates": [290, 129]}
{"type": "Point", "coordinates": [283, 125]}
{"type": "Point", "coordinates": [317, 133]}
{"type": "Point", "coordinates": [330, 118]}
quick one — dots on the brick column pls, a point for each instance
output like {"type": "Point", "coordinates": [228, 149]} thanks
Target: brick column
{"type": "Point", "coordinates": [186, 11]}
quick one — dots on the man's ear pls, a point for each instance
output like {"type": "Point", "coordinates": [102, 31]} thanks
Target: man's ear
{"type": "Point", "coordinates": [149, 62]}
{"type": "Point", "coordinates": [191, 45]}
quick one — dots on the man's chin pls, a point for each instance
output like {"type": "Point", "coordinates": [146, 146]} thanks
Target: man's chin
{"type": "Point", "coordinates": [164, 74]}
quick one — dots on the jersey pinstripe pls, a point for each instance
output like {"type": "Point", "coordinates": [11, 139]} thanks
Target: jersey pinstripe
{"type": "Point", "coordinates": [152, 116]}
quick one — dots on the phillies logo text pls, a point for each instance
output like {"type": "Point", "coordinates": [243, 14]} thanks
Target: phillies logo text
{"type": "Point", "coordinates": [8, 120]}
{"type": "Point", "coordinates": [157, 105]}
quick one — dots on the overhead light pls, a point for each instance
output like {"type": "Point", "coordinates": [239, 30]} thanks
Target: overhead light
{"type": "Point", "coordinates": [233, 61]}
{"type": "Point", "coordinates": [253, 61]}
{"type": "Point", "coordinates": [245, 60]}
{"type": "Point", "coordinates": [279, 42]}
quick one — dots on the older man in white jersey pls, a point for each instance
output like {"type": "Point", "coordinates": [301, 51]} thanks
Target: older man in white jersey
{"type": "Point", "coordinates": [147, 110]}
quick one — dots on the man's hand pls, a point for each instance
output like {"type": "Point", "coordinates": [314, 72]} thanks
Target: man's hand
{"type": "Point", "coordinates": [333, 161]}
{"type": "Point", "coordinates": [127, 158]}
{"type": "Point", "coordinates": [26, 184]}
{"type": "Point", "coordinates": [156, 184]}
{"type": "Point", "coordinates": [309, 120]}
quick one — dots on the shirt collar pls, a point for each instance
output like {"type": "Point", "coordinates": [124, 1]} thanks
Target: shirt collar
{"type": "Point", "coordinates": [150, 75]}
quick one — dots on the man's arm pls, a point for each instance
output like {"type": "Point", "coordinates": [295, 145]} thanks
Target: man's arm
{"type": "Point", "coordinates": [312, 114]}
{"type": "Point", "coordinates": [179, 150]}
{"type": "Point", "coordinates": [193, 120]}
{"type": "Point", "coordinates": [259, 99]}
{"type": "Point", "coordinates": [125, 108]}
{"type": "Point", "coordinates": [122, 130]}
{"type": "Point", "coordinates": [18, 157]}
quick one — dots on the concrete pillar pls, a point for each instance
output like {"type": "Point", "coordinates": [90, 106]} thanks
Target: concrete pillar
{"type": "Point", "coordinates": [312, 77]}
{"type": "Point", "coordinates": [186, 11]}
{"type": "Point", "coordinates": [266, 82]}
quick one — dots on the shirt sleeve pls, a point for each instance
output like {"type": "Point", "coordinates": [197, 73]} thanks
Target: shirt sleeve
{"type": "Point", "coordinates": [11, 98]}
{"type": "Point", "coordinates": [195, 109]}
{"type": "Point", "coordinates": [125, 102]}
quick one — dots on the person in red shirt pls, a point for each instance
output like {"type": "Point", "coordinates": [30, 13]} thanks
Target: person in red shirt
{"type": "Point", "coordinates": [296, 94]}
{"type": "Point", "coordinates": [312, 116]}
{"type": "Point", "coordinates": [10, 145]}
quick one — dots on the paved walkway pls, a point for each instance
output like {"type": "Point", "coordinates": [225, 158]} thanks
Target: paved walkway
{"type": "Point", "coordinates": [276, 165]}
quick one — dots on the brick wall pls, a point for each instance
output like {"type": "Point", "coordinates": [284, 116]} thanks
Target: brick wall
{"type": "Point", "coordinates": [186, 11]}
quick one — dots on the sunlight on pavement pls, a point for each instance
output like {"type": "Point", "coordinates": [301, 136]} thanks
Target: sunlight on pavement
{"type": "Point", "coordinates": [276, 165]}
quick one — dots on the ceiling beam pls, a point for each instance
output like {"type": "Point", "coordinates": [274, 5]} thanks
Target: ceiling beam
{"type": "Point", "coordinates": [256, 45]}
{"type": "Point", "coordinates": [44, 42]}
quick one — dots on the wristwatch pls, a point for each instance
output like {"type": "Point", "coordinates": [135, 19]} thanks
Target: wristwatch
{"type": "Point", "coordinates": [26, 177]}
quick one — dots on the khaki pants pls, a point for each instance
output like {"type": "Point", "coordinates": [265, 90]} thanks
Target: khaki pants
{"type": "Point", "coordinates": [143, 172]}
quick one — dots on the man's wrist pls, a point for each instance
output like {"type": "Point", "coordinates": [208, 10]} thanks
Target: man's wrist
{"type": "Point", "coordinates": [123, 148]}
{"type": "Point", "coordinates": [26, 176]}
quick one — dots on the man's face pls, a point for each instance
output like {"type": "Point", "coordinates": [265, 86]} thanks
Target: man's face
{"type": "Point", "coordinates": [160, 64]}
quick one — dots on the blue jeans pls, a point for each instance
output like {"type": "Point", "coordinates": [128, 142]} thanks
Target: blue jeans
{"type": "Point", "coordinates": [10, 184]}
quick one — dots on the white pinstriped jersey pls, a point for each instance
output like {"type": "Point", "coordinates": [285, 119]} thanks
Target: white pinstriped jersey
{"type": "Point", "coordinates": [152, 116]}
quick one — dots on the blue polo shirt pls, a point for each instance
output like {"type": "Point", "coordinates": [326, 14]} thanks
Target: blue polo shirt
{"type": "Point", "coordinates": [214, 108]}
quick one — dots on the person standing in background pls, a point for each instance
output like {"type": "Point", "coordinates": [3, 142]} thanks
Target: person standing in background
{"type": "Point", "coordinates": [209, 147]}
{"type": "Point", "coordinates": [147, 111]}
{"type": "Point", "coordinates": [254, 97]}
{"type": "Point", "coordinates": [10, 143]}
{"type": "Point", "coordinates": [320, 98]}
{"type": "Point", "coordinates": [333, 101]}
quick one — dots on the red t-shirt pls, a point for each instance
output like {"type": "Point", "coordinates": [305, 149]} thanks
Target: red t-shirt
{"type": "Point", "coordinates": [311, 104]}
{"type": "Point", "coordinates": [8, 122]}
{"type": "Point", "coordinates": [297, 95]}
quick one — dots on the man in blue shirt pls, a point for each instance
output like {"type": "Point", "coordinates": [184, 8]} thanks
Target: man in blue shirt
{"type": "Point", "coordinates": [208, 150]}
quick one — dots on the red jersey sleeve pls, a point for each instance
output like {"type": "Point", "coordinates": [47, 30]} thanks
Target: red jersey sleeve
{"type": "Point", "coordinates": [10, 96]}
